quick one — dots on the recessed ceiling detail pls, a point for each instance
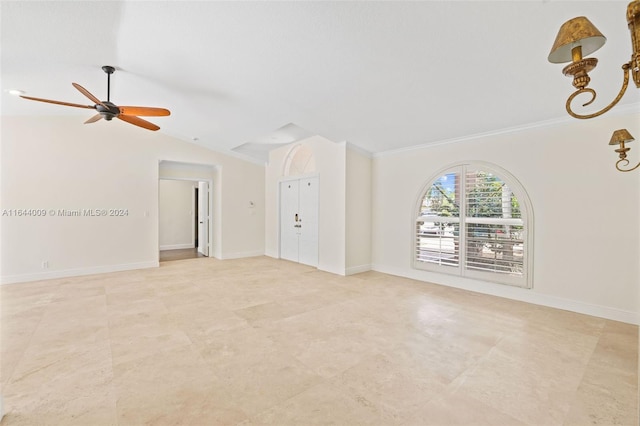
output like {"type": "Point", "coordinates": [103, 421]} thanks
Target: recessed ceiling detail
{"type": "Point", "coordinates": [259, 148]}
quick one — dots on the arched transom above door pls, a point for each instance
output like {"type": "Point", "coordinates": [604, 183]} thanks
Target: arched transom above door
{"type": "Point", "coordinates": [299, 161]}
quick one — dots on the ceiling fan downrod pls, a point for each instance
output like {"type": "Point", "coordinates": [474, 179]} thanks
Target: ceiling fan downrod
{"type": "Point", "coordinates": [109, 70]}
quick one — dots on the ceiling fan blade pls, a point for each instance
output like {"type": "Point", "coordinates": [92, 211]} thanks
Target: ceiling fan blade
{"type": "Point", "coordinates": [89, 95]}
{"type": "Point", "coordinates": [144, 111]}
{"type": "Point", "coordinates": [58, 102]}
{"type": "Point", "coordinates": [93, 119]}
{"type": "Point", "coordinates": [138, 121]}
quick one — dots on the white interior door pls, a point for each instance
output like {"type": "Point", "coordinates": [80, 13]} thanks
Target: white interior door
{"type": "Point", "coordinates": [308, 222]}
{"type": "Point", "coordinates": [299, 221]}
{"type": "Point", "coordinates": [203, 218]}
{"type": "Point", "coordinates": [288, 223]}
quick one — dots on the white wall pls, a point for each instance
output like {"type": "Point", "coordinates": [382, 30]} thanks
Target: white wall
{"type": "Point", "coordinates": [358, 211]}
{"type": "Point", "coordinates": [56, 163]}
{"type": "Point", "coordinates": [273, 175]}
{"type": "Point", "coordinates": [176, 214]}
{"type": "Point", "coordinates": [586, 213]}
{"type": "Point", "coordinates": [330, 160]}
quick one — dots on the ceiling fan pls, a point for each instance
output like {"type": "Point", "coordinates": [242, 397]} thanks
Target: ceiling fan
{"type": "Point", "coordinates": [108, 110]}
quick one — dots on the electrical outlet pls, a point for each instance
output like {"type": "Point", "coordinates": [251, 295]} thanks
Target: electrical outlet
{"type": "Point", "coordinates": [45, 264]}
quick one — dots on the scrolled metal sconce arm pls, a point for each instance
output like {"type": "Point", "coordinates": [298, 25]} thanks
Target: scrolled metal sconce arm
{"type": "Point", "coordinates": [625, 83]}
{"type": "Point", "coordinates": [625, 163]}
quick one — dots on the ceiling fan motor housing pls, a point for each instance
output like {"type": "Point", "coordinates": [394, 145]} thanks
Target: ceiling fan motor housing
{"type": "Point", "coordinates": [108, 113]}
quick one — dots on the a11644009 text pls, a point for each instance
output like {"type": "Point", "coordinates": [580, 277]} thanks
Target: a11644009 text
{"type": "Point", "coordinates": [65, 212]}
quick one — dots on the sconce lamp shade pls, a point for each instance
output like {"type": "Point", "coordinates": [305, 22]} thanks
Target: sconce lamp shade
{"type": "Point", "coordinates": [621, 136]}
{"type": "Point", "coordinates": [576, 32]}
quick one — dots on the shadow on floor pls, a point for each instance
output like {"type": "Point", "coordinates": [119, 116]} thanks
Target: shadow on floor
{"type": "Point", "coordinates": [180, 254]}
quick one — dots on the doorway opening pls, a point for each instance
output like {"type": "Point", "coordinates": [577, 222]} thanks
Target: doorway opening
{"type": "Point", "coordinates": [195, 222]}
{"type": "Point", "coordinates": [184, 219]}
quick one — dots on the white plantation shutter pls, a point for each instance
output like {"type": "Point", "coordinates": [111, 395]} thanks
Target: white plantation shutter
{"type": "Point", "coordinates": [438, 223]}
{"type": "Point", "coordinates": [471, 223]}
{"type": "Point", "coordinates": [440, 248]}
{"type": "Point", "coordinates": [493, 225]}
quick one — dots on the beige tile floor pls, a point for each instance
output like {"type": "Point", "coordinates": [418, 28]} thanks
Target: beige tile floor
{"type": "Point", "coordinates": [263, 341]}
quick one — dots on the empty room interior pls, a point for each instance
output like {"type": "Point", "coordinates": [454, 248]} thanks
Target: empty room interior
{"type": "Point", "coordinates": [318, 212]}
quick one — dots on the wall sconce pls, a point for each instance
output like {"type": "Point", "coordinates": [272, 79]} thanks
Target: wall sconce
{"type": "Point", "coordinates": [620, 137]}
{"type": "Point", "coordinates": [578, 37]}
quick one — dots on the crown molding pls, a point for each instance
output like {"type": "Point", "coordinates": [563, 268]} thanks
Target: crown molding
{"type": "Point", "coordinates": [621, 110]}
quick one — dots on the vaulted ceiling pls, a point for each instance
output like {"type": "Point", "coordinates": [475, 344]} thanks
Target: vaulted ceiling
{"type": "Point", "coordinates": [380, 75]}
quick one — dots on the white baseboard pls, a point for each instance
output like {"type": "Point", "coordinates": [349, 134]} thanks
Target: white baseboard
{"type": "Point", "coordinates": [516, 293]}
{"type": "Point", "coordinates": [240, 255]}
{"type": "Point", "coordinates": [20, 278]}
{"type": "Point", "coordinates": [357, 269]}
{"type": "Point", "coordinates": [177, 246]}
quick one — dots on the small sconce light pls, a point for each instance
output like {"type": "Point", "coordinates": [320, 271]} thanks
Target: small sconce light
{"type": "Point", "coordinates": [620, 137]}
{"type": "Point", "coordinates": [578, 37]}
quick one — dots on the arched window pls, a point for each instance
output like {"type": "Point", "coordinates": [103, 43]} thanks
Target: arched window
{"type": "Point", "coordinates": [299, 161]}
{"type": "Point", "coordinates": [475, 220]}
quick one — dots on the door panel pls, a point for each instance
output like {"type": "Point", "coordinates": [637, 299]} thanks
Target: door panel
{"type": "Point", "coordinates": [288, 224]}
{"type": "Point", "coordinates": [308, 215]}
{"type": "Point", "coordinates": [203, 218]}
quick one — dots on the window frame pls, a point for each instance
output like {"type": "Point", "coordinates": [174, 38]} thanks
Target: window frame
{"type": "Point", "coordinates": [461, 270]}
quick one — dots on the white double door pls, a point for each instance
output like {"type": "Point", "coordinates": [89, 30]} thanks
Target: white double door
{"type": "Point", "coordinates": [299, 220]}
